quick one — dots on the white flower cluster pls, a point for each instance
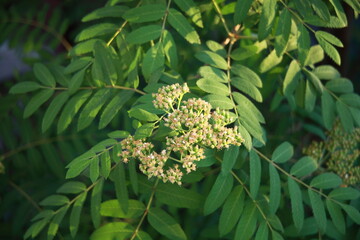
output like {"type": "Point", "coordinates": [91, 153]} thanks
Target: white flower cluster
{"type": "Point", "coordinates": [196, 128]}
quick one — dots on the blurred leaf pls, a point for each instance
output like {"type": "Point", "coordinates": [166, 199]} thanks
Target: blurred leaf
{"type": "Point", "coordinates": [212, 86]}
{"type": "Point", "coordinates": [53, 109]}
{"type": "Point", "coordinates": [72, 187]}
{"type": "Point", "coordinates": [43, 74]}
{"type": "Point", "coordinates": [24, 87]}
{"type": "Point", "coordinates": [213, 59]}
{"type": "Point", "coordinates": [247, 224]}
{"type": "Point", "coordinates": [114, 230]}
{"type": "Point", "coordinates": [145, 13]}
{"type": "Point", "coordinates": [36, 101]}
{"type": "Point", "coordinates": [255, 174]}
{"type": "Point", "coordinates": [183, 27]}
{"type": "Point", "coordinates": [112, 208]}
{"type": "Point", "coordinates": [283, 153]}
{"type": "Point", "coordinates": [318, 208]}
{"type": "Point", "coordinates": [242, 7]}
{"type": "Point", "coordinates": [144, 34]}
{"type": "Point", "coordinates": [232, 210]}
{"type": "Point", "coordinates": [165, 224]}
{"type": "Point", "coordinates": [303, 167]}
{"type": "Point", "coordinates": [218, 193]}
{"type": "Point", "coordinates": [191, 9]}
{"type": "Point", "coordinates": [296, 204]}
{"type": "Point", "coordinates": [326, 180]}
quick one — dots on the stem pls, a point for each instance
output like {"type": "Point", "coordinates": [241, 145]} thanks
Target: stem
{"type": "Point", "coordinates": [146, 211]}
{"type": "Point", "coordinates": [116, 33]}
{"type": "Point", "coordinates": [221, 17]}
{"type": "Point", "coordinates": [27, 196]}
{"type": "Point", "coordinates": [120, 29]}
{"type": "Point", "coordinates": [44, 27]}
{"type": "Point", "coordinates": [107, 86]}
{"type": "Point", "coordinates": [164, 21]}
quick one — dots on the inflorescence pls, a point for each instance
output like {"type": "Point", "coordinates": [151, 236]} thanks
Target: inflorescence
{"type": "Point", "coordinates": [196, 127]}
{"type": "Point", "coordinates": [340, 151]}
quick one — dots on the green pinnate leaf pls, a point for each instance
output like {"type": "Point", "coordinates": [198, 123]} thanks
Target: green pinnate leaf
{"type": "Point", "coordinates": [326, 181]}
{"type": "Point", "coordinates": [43, 74]}
{"type": "Point", "coordinates": [24, 87]}
{"type": "Point", "coordinates": [113, 230]}
{"type": "Point", "coordinates": [212, 73]}
{"type": "Point", "coordinates": [345, 115]}
{"type": "Point", "coordinates": [326, 72]}
{"type": "Point", "coordinates": [191, 10]}
{"type": "Point", "coordinates": [94, 169]}
{"type": "Point", "coordinates": [267, 19]}
{"type": "Point", "coordinates": [218, 193]}
{"type": "Point", "coordinates": [104, 64]}
{"type": "Point", "coordinates": [340, 85]}
{"type": "Point", "coordinates": [144, 34]}
{"type": "Point", "coordinates": [229, 158]}
{"type": "Point", "coordinates": [145, 13]}
{"type": "Point", "coordinates": [113, 107]}
{"type": "Point", "coordinates": [55, 200]}
{"type": "Point", "coordinates": [71, 108]}
{"type": "Point", "coordinates": [177, 196]}
{"type": "Point", "coordinates": [93, 107]}
{"type": "Point", "coordinates": [183, 27]}
{"type": "Point", "coordinates": [330, 50]}
{"type": "Point", "coordinates": [96, 30]}
{"type": "Point", "coordinates": [303, 43]}
{"type": "Point", "coordinates": [154, 59]}
{"type": "Point", "coordinates": [270, 62]}
{"type": "Point", "coordinates": [112, 208]}
{"type": "Point", "coordinates": [282, 32]}
{"type": "Point", "coordinates": [242, 7]}
{"type": "Point", "coordinates": [275, 189]}
{"type": "Point", "coordinates": [328, 109]}
{"type": "Point", "coordinates": [95, 202]}
{"type": "Point", "coordinates": [352, 212]}
{"type": "Point", "coordinates": [76, 213]}
{"type": "Point", "coordinates": [76, 81]}
{"type": "Point", "coordinates": [297, 208]}
{"type": "Point", "coordinates": [232, 210]}
{"type": "Point", "coordinates": [219, 101]}
{"type": "Point", "coordinates": [318, 208]}
{"type": "Point", "coordinates": [73, 187]}
{"type": "Point", "coordinates": [213, 59]}
{"type": "Point", "coordinates": [212, 86]}
{"type": "Point", "coordinates": [247, 87]}
{"type": "Point", "coordinates": [303, 167]}
{"type": "Point", "coordinates": [108, 11]}
{"type": "Point", "coordinates": [53, 110]}
{"type": "Point", "coordinates": [247, 223]}
{"type": "Point", "coordinates": [165, 224]}
{"type": "Point", "coordinates": [283, 153]}
{"type": "Point", "coordinates": [39, 99]}
{"type": "Point", "coordinates": [262, 232]}
{"type": "Point", "coordinates": [105, 164]}
{"type": "Point", "coordinates": [255, 173]}
{"type": "Point", "coordinates": [119, 178]}
{"type": "Point", "coordinates": [246, 73]}
{"type": "Point", "coordinates": [336, 215]}
{"type": "Point", "coordinates": [142, 115]}
{"type": "Point", "coordinates": [344, 193]}
{"type": "Point", "coordinates": [55, 222]}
